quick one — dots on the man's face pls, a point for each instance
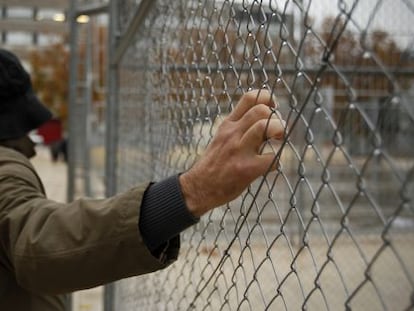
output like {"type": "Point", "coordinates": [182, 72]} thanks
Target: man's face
{"type": "Point", "coordinates": [23, 144]}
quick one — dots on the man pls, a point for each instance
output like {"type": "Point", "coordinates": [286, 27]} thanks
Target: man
{"type": "Point", "coordinates": [48, 248]}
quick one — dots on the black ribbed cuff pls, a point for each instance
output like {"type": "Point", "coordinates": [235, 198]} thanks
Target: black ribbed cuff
{"type": "Point", "coordinates": [164, 213]}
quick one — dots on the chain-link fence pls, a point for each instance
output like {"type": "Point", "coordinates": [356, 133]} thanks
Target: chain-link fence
{"type": "Point", "coordinates": [333, 227]}
{"type": "Point", "coordinates": [87, 126]}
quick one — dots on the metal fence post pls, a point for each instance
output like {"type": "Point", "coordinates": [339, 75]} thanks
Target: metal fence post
{"type": "Point", "coordinates": [72, 98]}
{"type": "Point", "coordinates": [87, 109]}
{"type": "Point", "coordinates": [72, 110]}
{"type": "Point", "coordinates": [111, 127]}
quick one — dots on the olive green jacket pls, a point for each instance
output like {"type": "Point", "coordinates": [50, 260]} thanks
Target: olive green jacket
{"type": "Point", "coordinates": [48, 249]}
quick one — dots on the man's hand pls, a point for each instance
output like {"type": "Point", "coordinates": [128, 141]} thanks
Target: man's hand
{"type": "Point", "coordinates": [232, 160]}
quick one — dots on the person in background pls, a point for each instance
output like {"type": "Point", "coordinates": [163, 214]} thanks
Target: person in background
{"type": "Point", "coordinates": [49, 249]}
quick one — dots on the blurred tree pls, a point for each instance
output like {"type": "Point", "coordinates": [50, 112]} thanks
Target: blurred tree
{"type": "Point", "coordinates": [50, 78]}
{"type": "Point", "coordinates": [371, 55]}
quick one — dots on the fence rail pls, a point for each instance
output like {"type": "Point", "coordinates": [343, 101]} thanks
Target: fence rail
{"type": "Point", "coordinates": [333, 227]}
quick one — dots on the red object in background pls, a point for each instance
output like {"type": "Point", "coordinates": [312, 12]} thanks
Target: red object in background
{"type": "Point", "coordinates": [51, 131]}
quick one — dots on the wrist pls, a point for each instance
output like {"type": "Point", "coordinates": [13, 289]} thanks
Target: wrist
{"type": "Point", "coordinates": [193, 197]}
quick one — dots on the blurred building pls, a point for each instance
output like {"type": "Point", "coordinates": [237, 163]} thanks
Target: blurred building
{"type": "Point", "coordinates": [26, 25]}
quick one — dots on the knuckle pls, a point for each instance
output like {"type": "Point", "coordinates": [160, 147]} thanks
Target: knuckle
{"type": "Point", "coordinates": [246, 101]}
{"type": "Point", "coordinates": [225, 124]}
{"type": "Point", "coordinates": [250, 95]}
{"type": "Point", "coordinates": [226, 137]}
{"type": "Point", "coordinates": [264, 96]}
{"type": "Point", "coordinates": [227, 130]}
{"type": "Point", "coordinates": [263, 110]}
{"type": "Point", "coordinates": [258, 112]}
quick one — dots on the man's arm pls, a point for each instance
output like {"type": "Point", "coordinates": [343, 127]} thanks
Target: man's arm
{"type": "Point", "coordinates": [55, 248]}
{"type": "Point", "coordinates": [230, 163]}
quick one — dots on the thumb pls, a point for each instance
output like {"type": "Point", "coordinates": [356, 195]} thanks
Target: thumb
{"type": "Point", "coordinates": [266, 163]}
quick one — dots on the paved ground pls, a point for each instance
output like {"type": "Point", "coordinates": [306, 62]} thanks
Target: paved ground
{"type": "Point", "coordinates": [254, 274]}
{"type": "Point", "coordinates": [53, 175]}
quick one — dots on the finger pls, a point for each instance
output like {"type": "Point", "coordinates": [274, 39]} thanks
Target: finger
{"type": "Point", "coordinates": [266, 163]}
{"type": "Point", "coordinates": [262, 130]}
{"type": "Point", "coordinates": [255, 114]}
{"type": "Point", "coordinates": [251, 99]}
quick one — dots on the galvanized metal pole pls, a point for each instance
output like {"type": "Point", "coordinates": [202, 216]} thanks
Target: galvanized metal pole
{"type": "Point", "coordinates": [73, 72]}
{"type": "Point", "coordinates": [111, 108]}
{"type": "Point", "coordinates": [87, 109]}
{"type": "Point", "coordinates": [129, 34]}
{"type": "Point", "coordinates": [111, 142]}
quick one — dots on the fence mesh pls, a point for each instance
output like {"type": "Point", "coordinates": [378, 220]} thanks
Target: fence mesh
{"type": "Point", "coordinates": [332, 228]}
{"type": "Point", "coordinates": [88, 107]}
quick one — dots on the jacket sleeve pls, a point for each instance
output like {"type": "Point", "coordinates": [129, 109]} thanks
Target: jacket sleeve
{"type": "Point", "coordinates": [56, 248]}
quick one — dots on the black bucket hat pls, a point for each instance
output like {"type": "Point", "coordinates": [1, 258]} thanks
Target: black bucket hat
{"type": "Point", "coordinates": [20, 109]}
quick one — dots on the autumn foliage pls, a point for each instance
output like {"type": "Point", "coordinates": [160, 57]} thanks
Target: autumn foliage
{"type": "Point", "coordinates": [50, 78]}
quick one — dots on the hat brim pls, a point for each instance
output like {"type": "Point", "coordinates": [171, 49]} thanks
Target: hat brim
{"type": "Point", "coordinates": [38, 113]}
{"type": "Point", "coordinates": [24, 114]}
